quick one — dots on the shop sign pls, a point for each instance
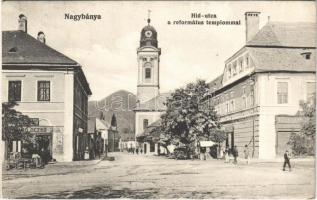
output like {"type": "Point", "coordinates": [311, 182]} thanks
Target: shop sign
{"type": "Point", "coordinates": [41, 129]}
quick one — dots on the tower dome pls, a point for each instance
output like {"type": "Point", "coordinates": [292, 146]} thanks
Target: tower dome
{"type": "Point", "coordinates": [148, 36]}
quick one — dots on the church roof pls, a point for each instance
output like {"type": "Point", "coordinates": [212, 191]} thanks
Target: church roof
{"type": "Point", "coordinates": [282, 34]}
{"type": "Point", "coordinates": [19, 47]}
{"type": "Point", "coordinates": [155, 104]}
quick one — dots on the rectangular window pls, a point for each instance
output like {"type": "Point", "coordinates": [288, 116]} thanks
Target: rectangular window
{"type": "Point", "coordinates": [252, 96]}
{"type": "Point", "coordinates": [282, 92]}
{"type": "Point", "coordinates": [311, 91]}
{"type": "Point", "coordinates": [234, 70]}
{"type": "Point", "coordinates": [241, 65]}
{"type": "Point", "coordinates": [147, 73]}
{"type": "Point", "coordinates": [229, 71]}
{"type": "Point", "coordinates": [14, 90]}
{"type": "Point", "coordinates": [232, 106]}
{"type": "Point", "coordinates": [247, 61]}
{"type": "Point", "coordinates": [43, 91]}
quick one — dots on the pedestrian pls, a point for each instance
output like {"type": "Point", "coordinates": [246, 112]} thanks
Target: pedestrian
{"type": "Point", "coordinates": [235, 154]}
{"type": "Point", "coordinates": [141, 151]}
{"type": "Point", "coordinates": [246, 153]}
{"type": "Point", "coordinates": [137, 151]}
{"type": "Point", "coordinates": [286, 160]}
{"type": "Point", "coordinates": [226, 152]}
{"type": "Point", "coordinates": [133, 150]}
{"type": "Point", "coordinates": [202, 153]}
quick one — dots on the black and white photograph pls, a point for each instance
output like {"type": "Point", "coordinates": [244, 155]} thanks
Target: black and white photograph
{"type": "Point", "coordinates": [158, 99]}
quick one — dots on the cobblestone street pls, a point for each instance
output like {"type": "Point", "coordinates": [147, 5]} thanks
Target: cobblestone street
{"type": "Point", "coordinates": [139, 176]}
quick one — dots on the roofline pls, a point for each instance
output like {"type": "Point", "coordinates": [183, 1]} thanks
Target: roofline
{"type": "Point", "coordinates": [41, 64]}
{"type": "Point", "coordinates": [276, 46]}
{"type": "Point", "coordinates": [236, 53]}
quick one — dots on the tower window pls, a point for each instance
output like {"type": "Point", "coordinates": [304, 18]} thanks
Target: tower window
{"type": "Point", "coordinates": [145, 123]}
{"type": "Point", "coordinates": [147, 73]}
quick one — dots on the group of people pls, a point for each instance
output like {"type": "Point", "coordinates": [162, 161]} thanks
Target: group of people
{"type": "Point", "coordinates": [133, 150]}
{"type": "Point", "coordinates": [234, 153]}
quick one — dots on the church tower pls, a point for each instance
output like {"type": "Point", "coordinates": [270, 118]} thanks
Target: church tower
{"type": "Point", "coordinates": [148, 55]}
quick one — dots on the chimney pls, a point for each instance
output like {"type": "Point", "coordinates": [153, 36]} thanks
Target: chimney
{"type": "Point", "coordinates": [23, 23]}
{"type": "Point", "coordinates": [252, 24]}
{"type": "Point", "coordinates": [41, 37]}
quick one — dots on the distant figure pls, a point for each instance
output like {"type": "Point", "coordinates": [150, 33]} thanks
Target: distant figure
{"type": "Point", "coordinates": [203, 153]}
{"type": "Point", "coordinates": [133, 150]}
{"type": "Point", "coordinates": [235, 154]}
{"type": "Point", "coordinates": [286, 160]}
{"type": "Point", "coordinates": [137, 151]}
{"type": "Point", "coordinates": [246, 153]}
{"type": "Point", "coordinates": [226, 152]}
{"type": "Point", "coordinates": [221, 152]}
{"type": "Point", "coordinates": [141, 151]}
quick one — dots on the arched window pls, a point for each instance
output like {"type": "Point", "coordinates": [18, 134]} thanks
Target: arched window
{"type": "Point", "coordinates": [147, 72]}
{"type": "Point", "coordinates": [145, 123]}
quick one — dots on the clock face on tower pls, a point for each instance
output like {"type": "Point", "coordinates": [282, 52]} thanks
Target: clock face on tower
{"type": "Point", "coordinates": [148, 33]}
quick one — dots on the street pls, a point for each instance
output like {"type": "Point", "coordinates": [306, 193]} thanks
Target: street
{"type": "Point", "coordinates": [140, 176]}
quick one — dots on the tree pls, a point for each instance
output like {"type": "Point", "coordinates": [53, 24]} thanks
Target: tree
{"type": "Point", "coordinates": [114, 121]}
{"type": "Point", "coordinates": [186, 121]}
{"type": "Point", "coordinates": [309, 124]}
{"type": "Point", "coordinates": [302, 142]}
{"type": "Point", "coordinates": [15, 125]}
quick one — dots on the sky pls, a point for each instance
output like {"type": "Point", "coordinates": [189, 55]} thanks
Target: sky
{"type": "Point", "coordinates": [106, 48]}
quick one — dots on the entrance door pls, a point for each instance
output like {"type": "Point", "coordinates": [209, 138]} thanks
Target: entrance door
{"type": "Point", "coordinates": [145, 148]}
{"type": "Point", "coordinates": [44, 142]}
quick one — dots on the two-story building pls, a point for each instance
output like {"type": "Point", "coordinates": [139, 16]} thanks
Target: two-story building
{"type": "Point", "coordinates": [264, 80]}
{"type": "Point", "coordinates": [50, 88]}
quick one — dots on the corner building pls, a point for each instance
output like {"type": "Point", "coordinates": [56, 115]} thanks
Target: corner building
{"type": "Point", "coordinates": [262, 85]}
{"type": "Point", "coordinates": [50, 88]}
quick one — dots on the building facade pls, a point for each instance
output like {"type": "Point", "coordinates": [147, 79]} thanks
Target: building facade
{"type": "Point", "coordinates": [50, 88]}
{"type": "Point", "coordinates": [266, 79]}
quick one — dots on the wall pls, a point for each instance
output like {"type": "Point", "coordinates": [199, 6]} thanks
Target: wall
{"type": "Point", "coordinates": [269, 108]}
{"type": "Point", "coordinates": [52, 113]}
{"type": "Point", "coordinates": [139, 116]}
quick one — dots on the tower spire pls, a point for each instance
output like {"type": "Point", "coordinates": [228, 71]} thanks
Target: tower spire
{"type": "Point", "coordinates": [148, 17]}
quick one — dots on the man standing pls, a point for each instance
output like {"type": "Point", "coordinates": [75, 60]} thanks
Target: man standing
{"type": "Point", "coordinates": [235, 154]}
{"type": "Point", "coordinates": [286, 160]}
{"type": "Point", "coordinates": [246, 153]}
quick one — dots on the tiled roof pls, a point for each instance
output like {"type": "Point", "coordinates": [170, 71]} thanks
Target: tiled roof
{"type": "Point", "coordinates": [282, 59]}
{"type": "Point", "coordinates": [154, 104]}
{"type": "Point", "coordinates": [215, 84]}
{"type": "Point", "coordinates": [286, 35]}
{"type": "Point", "coordinates": [19, 47]}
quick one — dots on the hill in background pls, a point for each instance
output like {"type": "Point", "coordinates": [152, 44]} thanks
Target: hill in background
{"type": "Point", "coordinates": [120, 103]}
